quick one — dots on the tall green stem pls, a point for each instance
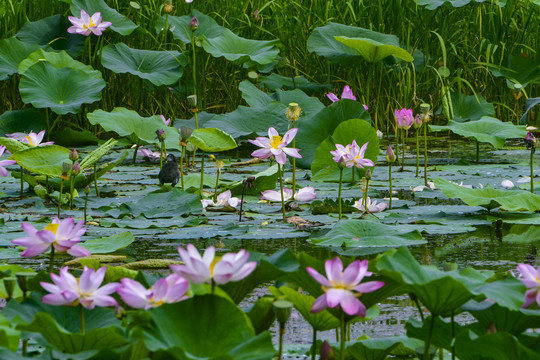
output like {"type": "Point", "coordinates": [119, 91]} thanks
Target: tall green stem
{"type": "Point", "coordinates": [71, 188]}
{"type": "Point", "coordinates": [293, 166]}
{"type": "Point", "coordinates": [95, 180]}
{"type": "Point", "coordinates": [417, 152]}
{"type": "Point", "coordinates": [477, 151]}
{"type": "Point", "coordinates": [182, 166]}
{"type": "Point", "coordinates": [314, 345]}
{"type": "Point", "coordinates": [532, 169]}
{"type": "Point", "coordinates": [51, 260]}
{"type": "Point", "coordinates": [425, 154]}
{"type": "Point", "coordinates": [135, 153]}
{"type": "Point", "coordinates": [60, 197]}
{"type": "Point", "coordinates": [453, 335]}
{"type": "Point", "coordinates": [339, 191]}
{"type": "Point", "coordinates": [364, 200]}
{"type": "Point", "coordinates": [216, 189]}
{"type": "Point", "coordinates": [390, 180]}
{"type": "Point", "coordinates": [22, 182]}
{"type": "Point", "coordinates": [281, 189]}
{"type": "Point", "coordinates": [81, 316]}
{"type": "Point", "coordinates": [281, 333]}
{"type": "Point", "coordinates": [402, 149]}
{"type": "Point", "coordinates": [202, 176]}
{"type": "Point", "coordinates": [428, 340]}
{"type": "Point", "coordinates": [343, 336]}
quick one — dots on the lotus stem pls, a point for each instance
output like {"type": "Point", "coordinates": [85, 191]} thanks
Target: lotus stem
{"type": "Point", "coordinates": [71, 188]}
{"type": "Point", "coordinates": [60, 197]}
{"type": "Point", "coordinates": [281, 333]}
{"type": "Point", "coordinates": [353, 173]}
{"type": "Point", "coordinates": [417, 153]}
{"type": "Point", "coordinates": [281, 189]}
{"type": "Point", "coordinates": [425, 155]}
{"type": "Point", "coordinates": [364, 200]}
{"type": "Point", "coordinates": [293, 168]}
{"type": "Point", "coordinates": [339, 191]}
{"type": "Point", "coordinates": [402, 150]}
{"type": "Point", "coordinates": [427, 345]}
{"type": "Point", "coordinates": [217, 182]}
{"type": "Point", "coordinates": [81, 316]}
{"type": "Point", "coordinates": [390, 180]}
{"type": "Point", "coordinates": [342, 337]}
{"type": "Point", "coordinates": [22, 182]}
{"type": "Point", "coordinates": [314, 345]}
{"type": "Point", "coordinates": [86, 204]}
{"type": "Point", "coordinates": [51, 260]}
{"type": "Point", "coordinates": [477, 151]}
{"type": "Point", "coordinates": [135, 153]}
{"type": "Point", "coordinates": [95, 180]}
{"type": "Point", "coordinates": [213, 286]}
{"type": "Point", "coordinates": [532, 169]}
{"type": "Point", "coordinates": [182, 166]}
{"type": "Point", "coordinates": [453, 335]}
{"type": "Point", "coordinates": [202, 176]}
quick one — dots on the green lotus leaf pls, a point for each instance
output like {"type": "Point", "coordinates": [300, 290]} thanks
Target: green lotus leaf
{"type": "Point", "coordinates": [313, 132]}
{"type": "Point", "coordinates": [323, 42]}
{"type": "Point", "coordinates": [97, 154]}
{"type": "Point", "coordinates": [12, 52]}
{"type": "Point", "coordinates": [469, 107]}
{"type": "Point", "coordinates": [275, 82]}
{"type": "Point", "coordinates": [129, 123]}
{"type": "Point", "coordinates": [141, 222]}
{"type": "Point", "coordinates": [442, 292]}
{"type": "Point", "coordinates": [52, 33]}
{"type": "Point", "coordinates": [496, 346]}
{"type": "Point", "coordinates": [529, 104]}
{"type": "Point", "coordinates": [24, 120]}
{"type": "Point", "coordinates": [239, 50]}
{"type": "Point", "coordinates": [434, 4]}
{"type": "Point", "coordinates": [324, 168]}
{"type": "Point", "coordinates": [361, 233]}
{"type": "Point", "coordinates": [519, 71]}
{"type": "Point", "coordinates": [212, 140]}
{"type": "Point", "coordinates": [261, 314]}
{"type": "Point", "coordinates": [489, 198]}
{"type": "Point", "coordinates": [373, 51]}
{"type": "Point", "coordinates": [43, 160]}
{"type": "Point", "coordinates": [487, 129]}
{"type": "Point", "coordinates": [120, 23]}
{"type": "Point", "coordinates": [441, 334]}
{"type": "Point", "coordinates": [159, 67]}
{"type": "Point", "coordinates": [204, 334]}
{"type": "Point", "coordinates": [380, 348]}
{"type": "Point", "coordinates": [9, 337]}
{"type": "Point", "coordinates": [109, 244]}
{"type": "Point", "coordinates": [59, 60]}
{"type": "Point", "coordinates": [62, 90]}
{"type": "Point", "coordinates": [265, 180]}
{"type": "Point", "coordinates": [208, 27]}
{"type": "Point", "coordinates": [14, 145]}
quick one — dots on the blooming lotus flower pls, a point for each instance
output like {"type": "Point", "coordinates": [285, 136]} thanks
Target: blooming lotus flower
{"type": "Point", "coordinates": [507, 184]}
{"type": "Point", "coordinates": [32, 138]}
{"type": "Point", "coordinates": [165, 291]}
{"type": "Point", "coordinates": [304, 194]}
{"type": "Point", "coordinates": [431, 185]}
{"type": "Point", "coordinates": [70, 291]}
{"type": "Point", "coordinates": [151, 155]}
{"type": "Point", "coordinates": [165, 121]}
{"type": "Point", "coordinates": [3, 171]}
{"type": "Point", "coordinates": [205, 269]}
{"type": "Point", "coordinates": [372, 207]}
{"type": "Point", "coordinates": [343, 288]}
{"type": "Point", "coordinates": [357, 155]}
{"type": "Point", "coordinates": [530, 277]}
{"type": "Point", "coordinates": [64, 236]}
{"type": "Point", "coordinates": [346, 94]}
{"type": "Point", "coordinates": [88, 24]}
{"type": "Point", "coordinates": [404, 118]}
{"type": "Point", "coordinates": [224, 199]}
{"type": "Point", "coordinates": [275, 145]}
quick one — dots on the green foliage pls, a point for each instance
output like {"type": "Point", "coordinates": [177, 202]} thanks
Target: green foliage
{"type": "Point", "coordinates": [44, 160]}
{"type": "Point", "coordinates": [12, 52]}
{"type": "Point", "coordinates": [109, 244]}
{"type": "Point", "coordinates": [120, 23]}
{"type": "Point", "coordinates": [212, 140]}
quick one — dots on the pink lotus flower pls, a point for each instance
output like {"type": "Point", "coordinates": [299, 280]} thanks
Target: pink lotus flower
{"type": "Point", "coordinates": [205, 269]}
{"type": "Point", "coordinates": [64, 236]}
{"type": "Point", "coordinates": [351, 155]}
{"type": "Point", "coordinates": [224, 199]}
{"type": "Point", "coordinates": [275, 145]}
{"type": "Point", "coordinates": [346, 94]}
{"type": "Point", "coordinates": [151, 155]}
{"type": "Point", "coordinates": [165, 121]}
{"type": "Point", "coordinates": [88, 24]}
{"type": "Point", "coordinates": [372, 207]}
{"type": "Point", "coordinates": [70, 291]}
{"type": "Point", "coordinates": [304, 194]}
{"type": "Point", "coordinates": [340, 284]}
{"type": "Point", "coordinates": [32, 138]}
{"type": "Point", "coordinates": [404, 118]}
{"type": "Point", "coordinates": [165, 291]}
{"type": "Point", "coordinates": [3, 171]}
{"type": "Point", "coordinates": [530, 277]}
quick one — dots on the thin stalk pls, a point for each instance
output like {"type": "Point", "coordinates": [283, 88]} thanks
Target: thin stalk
{"type": "Point", "coordinates": [51, 260]}
{"type": "Point", "coordinates": [135, 153]}
{"type": "Point", "coordinates": [417, 152]}
{"type": "Point", "coordinates": [281, 333]}
{"type": "Point", "coordinates": [314, 352]}
{"type": "Point", "coordinates": [213, 286]}
{"type": "Point", "coordinates": [242, 202]}
{"type": "Point", "coordinates": [477, 151]}
{"type": "Point", "coordinates": [81, 316]}
{"type": "Point", "coordinates": [532, 169]}
{"type": "Point", "coordinates": [281, 189]}
{"type": "Point", "coordinates": [293, 167]}
{"type": "Point", "coordinates": [202, 176]}
{"type": "Point", "coordinates": [342, 337]}
{"type": "Point", "coordinates": [419, 308]}
{"type": "Point", "coordinates": [390, 179]}
{"type": "Point", "coordinates": [364, 200]}
{"type": "Point", "coordinates": [453, 335]}
{"type": "Point", "coordinates": [161, 155]}
{"type": "Point", "coordinates": [22, 182]}
{"type": "Point", "coordinates": [71, 186]}
{"type": "Point", "coordinates": [217, 182]}
{"type": "Point", "coordinates": [85, 205]}
{"type": "Point", "coordinates": [402, 150]}
{"type": "Point", "coordinates": [428, 341]}
{"type": "Point", "coordinates": [339, 191]}
{"type": "Point", "coordinates": [182, 166]}
{"type": "Point", "coordinates": [95, 180]}
{"type": "Point", "coordinates": [60, 197]}
{"type": "Point", "coordinates": [425, 154]}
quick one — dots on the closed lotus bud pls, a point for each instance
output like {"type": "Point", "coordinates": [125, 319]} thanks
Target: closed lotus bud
{"type": "Point", "coordinates": [368, 174]}
{"type": "Point", "coordinates": [87, 190]}
{"type": "Point", "coordinates": [531, 141]}
{"type": "Point", "coordinates": [194, 23]}
{"type": "Point", "coordinates": [192, 100]}
{"type": "Point", "coordinates": [293, 112]}
{"type": "Point", "coordinates": [380, 134]}
{"type": "Point", "coordinates": [390, 155]}
{"type": "Point", "coordinates": [417, 121]}
{"type": "Point", "coordinates": [282, 309]}
{"type": "Point", "coordinates": [73, 155]}
{"type": "Point", "coordinates": [160, 135]}
{"type": "Point", "coordinates": [327, 352]}
{"type": "Point", "coordinates": [76, 169]}
{"type": "Point", "coordinates": [256, 16]}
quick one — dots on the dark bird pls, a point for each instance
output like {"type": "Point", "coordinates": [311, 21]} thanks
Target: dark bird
{"type": "Point", "coordinates": [169, 173]}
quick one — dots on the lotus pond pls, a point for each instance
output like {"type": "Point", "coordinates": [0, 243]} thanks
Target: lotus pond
{"type": "Point", "coordinates": [267, 180]}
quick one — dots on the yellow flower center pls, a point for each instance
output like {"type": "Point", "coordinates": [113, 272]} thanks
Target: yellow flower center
{"type": "Point", "coordinates": [52, 228]}
{"type": "Point", "coordinates": [276, 141]}
{"type": "Point", "coordinates": [30, 140]}
{"type": "Point", "coordinates": [89, 25]}
{"type": "Point", "coordinates": [214, 262]}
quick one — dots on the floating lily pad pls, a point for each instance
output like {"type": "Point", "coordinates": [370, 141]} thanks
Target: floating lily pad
{"type": "Point", "coordinates": [489, 198]}
{"type": "Point", "coordinates": [12, 52]}
{"type": "Point", "coordinates": [487, 129]}
{"type": "Point", "coordinates": [120, 23]}
{"type": "Point", "coordinates": [275, 82]}
{"type": "Point", "coordinates": [159, 67]}
{"type": "Point", "coordinates": [109, 244]}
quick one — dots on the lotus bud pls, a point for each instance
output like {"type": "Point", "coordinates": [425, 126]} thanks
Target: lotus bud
{"type": "Point", "coordinates": [256, 16]}
{"type": "Point", "coordinates": [380, 134]}
{"type": "Point", "coordinates": [160, 135]}
{"type": "Point", "coordinates": [73, 155]}
{"type": "Point", "coordinates": [76, 169]}
{"type": "Point", "coordinates": [531, 141]}
{"type": "Point", "coordinates": [87, 190]}
{"type": "Point", "coordinates": [368, 174]}
{"type": "Point", "coordinates": [418, 121]}
{"type": "Point", "coordinates": [327, 352]}
{"type": "Point", "coordinates": [390, 155]}
{"type": "Point", "coordinates": [282, 309]}
{"type": "Point", "coordinates": [9, 285]}
{"type": "Point", "coordinates": [194, 23]}
{"type": "Point", "coordinates": [293, 112]}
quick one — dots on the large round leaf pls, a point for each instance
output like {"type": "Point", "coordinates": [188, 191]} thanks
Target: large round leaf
{"type": "Point", "coordinates": [487, 129]}
{"type": "Point", "coordinates": [12, 52]}
{"type": "Point", "coordinates": [212, 140]}
{"type": "Point", "coordinates": [211, 327]}
{"type": "Point", "coordinates": [434, 4]}
{"type": "Point", "coordinates": [469, 107]}
{"type": "Point", "coordinates": [179, 26]}
{"type": "Point", "coordinates": [43, 160]}
{"type": "Point", "coordinates": [62, 90]}
{"type": "Point", "coordinates": [325, 168]}
{"type": "Point", "coordinates": [313, 132]}
{"type": "Point", "coordinates": [109, 244]}
{"type": "Point", "coordinates": [24, 120]}
{"type": "Point", "coordinates": [323, 42]}
{"type": "Point", "coordinates": [518, 71]}
{"type": "Point", "coordinates": [159, 67]}
{"type": "Point", "coordinates": [120, 23]}
{"type": "Point", "coordinates": [511, 200]}
{"type": "Point", "coordinates": [362, 233]}
{"type": "Point", "coordinates": [52, 33]}
{"type": "Point", "coordinates": [57, 59]}
{"type": "Point", "coordinates": [373, 51]}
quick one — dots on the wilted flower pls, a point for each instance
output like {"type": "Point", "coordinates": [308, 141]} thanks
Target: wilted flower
{"type": "Point", "coordinates": [3, 171]}
{"type": "Point", "coordinates": [404, 118]}
{"type": "Point", "coordinates": [197, 269]}
{"type": "Point", "coordinates": [346, 94]}
{"type": "Point", "coordinates": [431, 185]}
{"type": "Point", "coordinates": [165, 121]}
{"type": "Point", "coordinates": [293, 112]}
{"type": "Point", "coordinates": [425, 112]}
{"type": "Point", "coordinates": [64, 236]}
{"type": "Point", "coordinates": [66, 169]}
{"type": "Point", "coordinates": [88, 24]}
{"type": "Point", "coordinates": [70, 291]}
{"type": "Point", "coordinates": [275, 145]}
{"type": "Point", "coordinates": [168, 6]}
{"type": "Point", "coordinates": [224, 199]}
{"type": "Point", "coordinates": [340, 284]}
{"type": "Point", "coordinates": [304, 194]}
{"type": "Point", "coordinates": [255, 15]}
{"type": "Point", "coordinates": [194, 23]}
{"type": "Point", "coordinates": [530, 277]}
{"type": "Point", "coordinates": [165, 291]}
{"type": "Point", "coordinates": [372, 207]}
{"type": "Point", "coordinates": [507, 184]}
